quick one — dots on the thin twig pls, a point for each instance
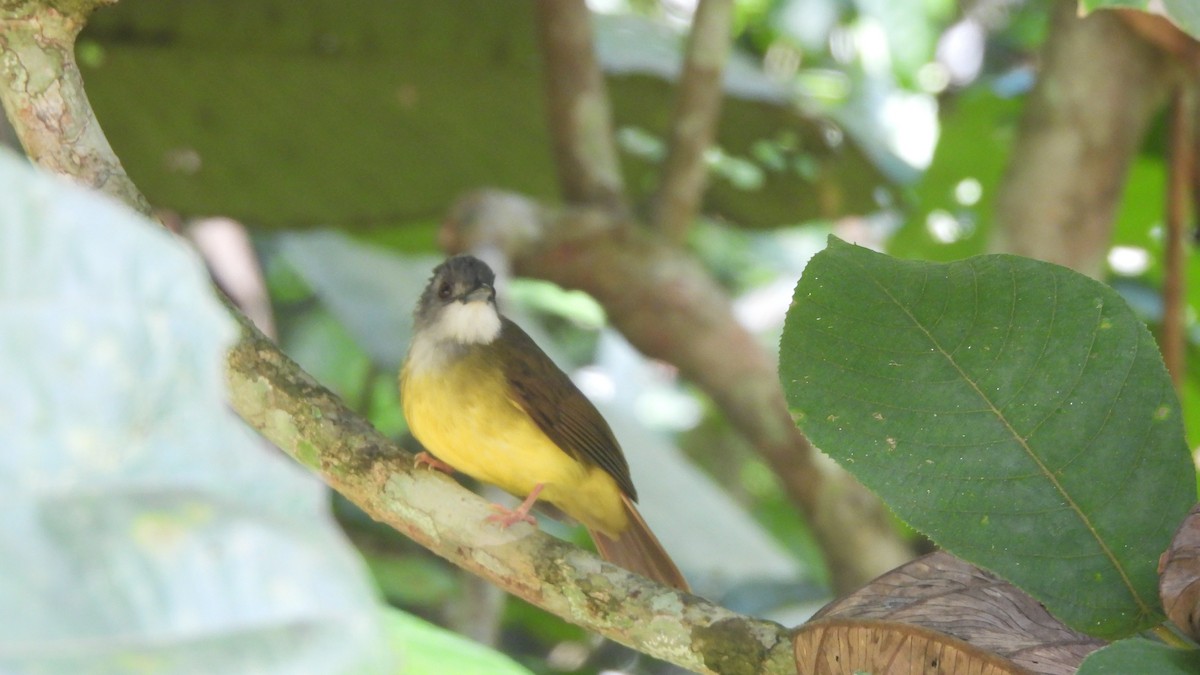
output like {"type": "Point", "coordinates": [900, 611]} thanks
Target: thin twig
{"type": "Point", "coordinates": [1181, 135]}
{"type": "Point", "coordinates": [577, 106]}
{"type": "Point", "coordinates": [697, 109]}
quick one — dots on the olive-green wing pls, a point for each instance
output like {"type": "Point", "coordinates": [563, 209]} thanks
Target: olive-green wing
{"type": "Point", "coordinates": [562, 412]}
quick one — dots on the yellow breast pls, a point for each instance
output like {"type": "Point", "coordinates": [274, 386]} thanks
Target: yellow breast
{"type": "Point", "coordinates": [461, 411]}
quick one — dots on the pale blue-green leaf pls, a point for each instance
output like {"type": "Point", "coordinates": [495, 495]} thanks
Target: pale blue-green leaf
{"type": "Point", "coordinates": [145, 528]}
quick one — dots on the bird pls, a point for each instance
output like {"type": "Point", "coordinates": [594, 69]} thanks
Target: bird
{"type": "Point", "coordinates": [483, 399]}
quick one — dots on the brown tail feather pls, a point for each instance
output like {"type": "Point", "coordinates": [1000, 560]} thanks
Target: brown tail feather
{"type": "Point", "coordinates": [638, 550]}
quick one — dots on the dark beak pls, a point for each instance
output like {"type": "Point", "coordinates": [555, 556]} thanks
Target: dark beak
{"type": "Point", "coordinates": [482, 293]}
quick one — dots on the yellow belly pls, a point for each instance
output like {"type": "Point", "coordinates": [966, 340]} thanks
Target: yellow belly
{"type": "Point", "coordinates": [462, 413]}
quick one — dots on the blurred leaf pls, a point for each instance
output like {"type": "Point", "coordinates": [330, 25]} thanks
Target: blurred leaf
{"type": "Point", "coordinates": [371, 292]}
{"type": "Point", "coordinates": [1139, 655]}
{"type": "Point", "coordinates": [371, 116]}
{"type": "Point", "coordinates": [955, 197]}
{"type": "Point", "coordinates": [911, 29]}
{"type": "Point", "coordinates": [145, 528]}
{"type": "Point", "coordinates": [425, 649]}
{"type": "Point", "coordinates": [384, 408]}
{"type": "Point", "coordinates": [1183, 13]}
{"type": "Point", "coordinates": [320, 344]}
{"type": "Point", "coordinates": [540, 624]}
{"type": "Point", "coordinates": [543, 296]}
{"type": "Point", "coordinates": [1014, 410]}
{"type": "Point", "coordinates": [412, 581]}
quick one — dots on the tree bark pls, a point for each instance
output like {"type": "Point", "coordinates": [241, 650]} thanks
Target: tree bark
{"type": "Point", "coordinates": [578, 107]}
{"type": "Point", "coordinates": [41, 90]}
{"type": "Point", "coordinates": [1098, 88]}
{"type": "Point", "coordinates": [694, 122]}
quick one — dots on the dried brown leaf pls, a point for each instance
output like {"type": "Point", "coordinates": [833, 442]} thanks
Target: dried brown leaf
{"type": "Point", "coordinates": [951, 597]}
{"type": "Point", "coordinates": [1179, 580]}
{"type": "Point", "coordinates": [836, 647]}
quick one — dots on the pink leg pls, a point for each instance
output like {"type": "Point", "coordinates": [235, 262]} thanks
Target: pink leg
{"type": "Point", "coordinates": [507, 517]}
{"type": "Point", "coordinates": [432, 462]}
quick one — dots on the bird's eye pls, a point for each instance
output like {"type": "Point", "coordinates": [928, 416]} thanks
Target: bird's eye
{"type": "Point", "coordinates": [445, 290]}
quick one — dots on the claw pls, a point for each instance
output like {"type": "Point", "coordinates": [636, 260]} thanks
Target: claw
{"type": "Point", "coordinates": [433, 463]}
{"type": "Point", "coordinates": [506, 516]}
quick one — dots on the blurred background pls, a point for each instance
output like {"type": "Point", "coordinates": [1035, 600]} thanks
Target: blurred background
{"type": "Point", "coordinates": [313, 151]}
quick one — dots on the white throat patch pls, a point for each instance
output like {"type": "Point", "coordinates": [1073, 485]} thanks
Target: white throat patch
{"type": "Point", "coordinates": [467, 323]}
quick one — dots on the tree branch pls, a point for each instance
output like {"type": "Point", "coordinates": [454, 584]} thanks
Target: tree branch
{"type": "Point", "coordinates": [670, 308]}
{"type": "Point", "coordinates": [577, 106]}
{"type": "Point", "coordinates": [41, 90]}
{"type": "Point", "coordinates": [697, 109]}
{"type": "Point", "coordinates": [1097, 91]}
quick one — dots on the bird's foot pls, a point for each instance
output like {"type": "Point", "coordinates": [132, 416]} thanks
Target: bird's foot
{"type": "Point", "coordinates": [506, 516]}
{"type": "Point", "coordinates": [433, 463]}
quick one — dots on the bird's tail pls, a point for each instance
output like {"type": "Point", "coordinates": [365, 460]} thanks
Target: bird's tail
{"type": "Point", "coordinates": [638, 550]}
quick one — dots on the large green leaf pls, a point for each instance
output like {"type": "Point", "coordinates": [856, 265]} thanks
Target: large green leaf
{"type": "Point", "coordinates": [1014, 410]}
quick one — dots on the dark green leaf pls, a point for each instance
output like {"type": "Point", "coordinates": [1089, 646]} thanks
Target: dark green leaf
{"type": "Point", "coordinates": [1014, 410]}
{"type": "Point", "coordinates": [1138, 655]}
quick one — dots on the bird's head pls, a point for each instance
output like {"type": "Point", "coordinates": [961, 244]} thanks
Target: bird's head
{"type": "Point", "coordinates": [459, 304]}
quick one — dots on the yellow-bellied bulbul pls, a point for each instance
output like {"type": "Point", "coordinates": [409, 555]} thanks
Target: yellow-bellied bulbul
{"type": "Point", "coordinates": [485, 400]}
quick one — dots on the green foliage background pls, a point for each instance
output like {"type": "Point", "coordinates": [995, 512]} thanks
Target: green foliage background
{"type": "Point", "coordinates": [370, 118]}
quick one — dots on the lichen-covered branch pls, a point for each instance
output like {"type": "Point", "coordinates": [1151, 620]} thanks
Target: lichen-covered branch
{"type": "Point", "coordinates": [668, 306]}
{"type": "Point", "coordinates": [1097, 91]}
{"type": "Point", "coordinates": [694, 123]}
{"type": "Point", "coordinates": [577, 106]}
{"type": "Point", "coordinates": [42, 93]}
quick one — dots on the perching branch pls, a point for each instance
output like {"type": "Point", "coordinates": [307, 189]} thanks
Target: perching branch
{"type": "Point", "coordinates": [694, 124]}
{"type": "Point", "coordinates": [311, 424]}
{"type": "Point", "coordinates": [577, 106]}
